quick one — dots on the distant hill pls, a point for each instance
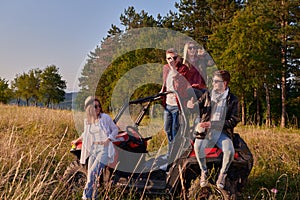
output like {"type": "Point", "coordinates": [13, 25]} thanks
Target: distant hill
{"type": "Point", "coordinates": [65, 105]}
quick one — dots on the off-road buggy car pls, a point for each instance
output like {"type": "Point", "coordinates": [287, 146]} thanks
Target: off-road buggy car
{"type": "Point", "coordinates": [176, 176]}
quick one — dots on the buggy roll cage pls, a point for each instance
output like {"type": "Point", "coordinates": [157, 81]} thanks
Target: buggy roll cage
{"type": "Point", "coordinates": [183, 143]}
{"type": "Point", "coordinates": [147, 100]}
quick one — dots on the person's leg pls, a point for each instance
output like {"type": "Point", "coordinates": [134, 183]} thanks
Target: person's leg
{"type": "Point", "coordinates": [96, 163]}
{"type": "Point", "coordinates": [199, 147]}
{"type": "Point", "coordinates": [174, 110]}
{"type": "Point", "coordinates": [171, 125]}
{"type": "Point", "coordinates": [98, 166]}
{"type": "Point", "coordinates": [168, 123]}
{"type": "Point", "coordinates": [175, 121]}
{"type": "Point", "coordinates": [225, 143]}
{"type": "Point", "coordinates": [88, 189]}
{"type": "Point", "coordinates": [98, 171]}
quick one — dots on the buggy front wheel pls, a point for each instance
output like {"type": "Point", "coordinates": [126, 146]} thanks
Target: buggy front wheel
{"type": "Point", "coordinates": [210, 192]}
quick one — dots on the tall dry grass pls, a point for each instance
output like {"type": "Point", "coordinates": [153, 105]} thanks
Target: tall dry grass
{"type": "Point", "coordinates": [35, 146]}
{"type": "Point", "coordinates": [276, 171]}
{"type": "Point", "coordinates": [34, 151]}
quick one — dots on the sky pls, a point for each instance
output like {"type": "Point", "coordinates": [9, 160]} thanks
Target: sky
{"type": "Point", "coordinates": [39, 33]}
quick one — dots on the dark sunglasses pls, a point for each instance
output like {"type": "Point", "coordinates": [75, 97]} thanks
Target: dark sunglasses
{"type": "Point", "coordinates": [97, 106]}
{"type": "Point", "coordinates": [217, 81]}
{"type": "Point", "coordinates": [174, 58]}
{"type": "Point", "coordinates": [192, 47]}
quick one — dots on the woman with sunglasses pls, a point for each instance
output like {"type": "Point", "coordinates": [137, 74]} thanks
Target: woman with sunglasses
{"type": "Point", "coordinates": [99, 131]}
{"type": "Point", "coordinates": [197, 59]}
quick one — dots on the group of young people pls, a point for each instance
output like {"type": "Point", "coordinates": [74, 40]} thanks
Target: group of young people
{"type": "Point", "coordinates": [184, 76]}
{"type": "Point", "coordinates": [217, 110]}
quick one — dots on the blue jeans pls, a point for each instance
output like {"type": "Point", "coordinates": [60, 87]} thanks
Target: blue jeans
{"type": "Point", "coordinates": [222, 141]}
{"type": "Point", "coordinates": [96, 163]}
{"type": "Point", "coordinates": [171, 119]}
{"type": "Point", "coordinates": [171, 124]}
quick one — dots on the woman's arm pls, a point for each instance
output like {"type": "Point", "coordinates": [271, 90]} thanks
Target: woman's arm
{"type": "Point", "coordinates": [77, 140]}
{"type": "Point", "coordinates": [111, 127]}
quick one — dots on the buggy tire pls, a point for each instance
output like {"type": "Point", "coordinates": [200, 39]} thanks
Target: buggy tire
{"type": "Point", "coordinates": [75, 176]}
{"type": "Point", "coordinates": [196, 192]}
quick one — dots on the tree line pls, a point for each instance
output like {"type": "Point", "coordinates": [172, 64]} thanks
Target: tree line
{"type": "Point", "coordinates": [257, 41]}
{"type": "Point", "coordinates": [35, 87]}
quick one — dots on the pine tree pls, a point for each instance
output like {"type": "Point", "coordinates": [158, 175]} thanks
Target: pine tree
{"type": "Point", "coordinates": [5, 91]}
{"type": "Point", "coordinates": [51, 86]}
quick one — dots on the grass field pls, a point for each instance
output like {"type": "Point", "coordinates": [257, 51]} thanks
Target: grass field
{"type": "Point", "coordinates": [35, 145]}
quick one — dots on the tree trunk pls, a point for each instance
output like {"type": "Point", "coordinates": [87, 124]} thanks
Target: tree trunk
{"type": "Point", "coordinates": [268, 113]}
{"type": "Point", "coordinates": [283, 100]}
{"type": "Point", "coordinates": [284, 66]}
{"type": "Point", "coordinates": [258, 117]}
{"type": "Point", "coordinates": [257, 112]}
{"type": "Point", "coordinates": [243, 110]}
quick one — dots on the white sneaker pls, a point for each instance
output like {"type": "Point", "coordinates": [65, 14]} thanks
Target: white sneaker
{"type": "Point", "coordinates": [221, 181]}
{"type": "Point", "coordinates": [203, 179]}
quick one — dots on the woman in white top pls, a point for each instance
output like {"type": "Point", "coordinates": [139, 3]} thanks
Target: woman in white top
{"type": "Point", "coordinates": [99, 131]}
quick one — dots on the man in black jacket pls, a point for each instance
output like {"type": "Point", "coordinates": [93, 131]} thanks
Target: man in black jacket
{"type": "Point", "coordinates": [224, 117]}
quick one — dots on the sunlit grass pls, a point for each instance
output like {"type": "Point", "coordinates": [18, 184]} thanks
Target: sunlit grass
{"type": "Point", "coordinates": [34, 151]}
{"type": "Point", "coordinates": [35, 146]}
{"type": "Point", "coordinates": [276, 171]}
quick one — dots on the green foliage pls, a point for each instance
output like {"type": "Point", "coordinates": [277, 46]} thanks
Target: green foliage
{"type": "Point", "coordinates": [5, 91]}
{"type": "Point", "coordinates": [130, 19]}
{"type": "Point", "coordinates": [97, 63]}
{"type": "Point", "coordinates": [34, 84]}
{"type": "Point", "coordinates": [120, 67]}
{"type": "Point", "coordinates": [26, 86]}
{"type": "Point", "coordinates": [51, 86]}
{"type": "Point", "coordinates": [246, 51]}
{"type": "Point", "coordinates": [199, 19]}
{"type": "Point", "coordinates": [37, 86]}
{"type": "Point", "coordinates": [250, 45]}
{"type": "Point", "coordinates": [246, 38]}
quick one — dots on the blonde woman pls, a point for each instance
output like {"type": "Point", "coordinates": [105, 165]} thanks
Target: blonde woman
{"type": "Point", "coordinates": [195, 55]}
{"type": "Point", "coordinates": [99, 131]}
{"type": "Point", "coordinates": [191, 59]}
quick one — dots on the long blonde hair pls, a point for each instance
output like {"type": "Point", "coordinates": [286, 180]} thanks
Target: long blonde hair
{"type": "Point", "coordinates": [90, 111]}
{"type": "Point", "coordinates": [185, 53]}
{"type": "Point", "coordinates": [91, 115]}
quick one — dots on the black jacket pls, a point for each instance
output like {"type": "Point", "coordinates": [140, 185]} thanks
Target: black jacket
{"type": "Point", "coordinates": [204, 108]}
{"type": "Point", "coordinates": [232, 115]}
